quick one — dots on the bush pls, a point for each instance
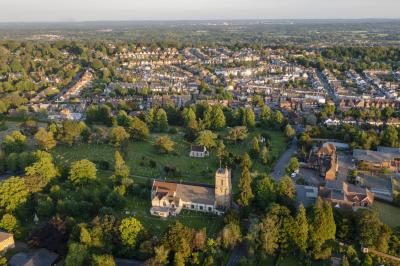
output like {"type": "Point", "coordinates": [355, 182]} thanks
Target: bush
{"type": "Point", "coordinates": [152, 164]}
{"type": "Point", "coordinates": [173, 131]}
{"type": "Point", "coordinates": [102, 165]}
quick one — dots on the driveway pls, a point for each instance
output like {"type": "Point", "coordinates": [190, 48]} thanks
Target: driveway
{"type": "Point", "coordinates": [281, 164]}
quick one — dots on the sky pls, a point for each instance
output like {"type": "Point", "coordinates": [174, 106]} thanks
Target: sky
{"type": "Point", "coordinates": [90, 10]}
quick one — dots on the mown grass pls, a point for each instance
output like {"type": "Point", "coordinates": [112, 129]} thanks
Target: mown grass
{"type": "Point", "coordinates": [139, 154]}
{"type": "Point", "coordinates": [388, 213]}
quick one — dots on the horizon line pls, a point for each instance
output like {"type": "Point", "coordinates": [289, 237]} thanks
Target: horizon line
{"type": "Point", "coordinates": [197, 20]}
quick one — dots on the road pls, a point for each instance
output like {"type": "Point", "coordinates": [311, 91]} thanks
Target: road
{"type": "Point", "coordinates": [126, 262]}
{"type": "Point", "coordinates": [279, 168]}
{"type": "Point", "coordinates": [237, 253]}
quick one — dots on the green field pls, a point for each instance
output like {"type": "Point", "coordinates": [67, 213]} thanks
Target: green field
{"type": "Point", "coordinates": [389, 214]}
{"type": "Point", "coordinates": [139, 154]}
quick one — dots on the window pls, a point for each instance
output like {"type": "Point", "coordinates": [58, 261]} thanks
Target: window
{"type": "Point", "coordinates": [192, 206]}
{"type": "Point", "coordinates": [201, 208]}
{"type": "Point", "coordinates": [209, 209]}
{"type": "Point", "coordinates": [222, 182]}
{"type": "Point", "coordinates": [164, 204]}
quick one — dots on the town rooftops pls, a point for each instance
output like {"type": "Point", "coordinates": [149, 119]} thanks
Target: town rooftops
{"type": "Point", "coordinates": [374, 156]}
{"type": "Point", "coordinates": [186, 191]}
{"type": "Point", "coordinates": [388, 149]}
{"type": "Point", "coordinates": [198, 148]}
{"type": "Point", "coordinates": [5, 236]}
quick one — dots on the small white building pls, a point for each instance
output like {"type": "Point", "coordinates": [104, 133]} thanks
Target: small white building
{"type": "Point", "coordinates": [198, 152]}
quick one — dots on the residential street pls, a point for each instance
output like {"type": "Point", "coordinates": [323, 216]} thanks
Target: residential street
{"type": "Point", "coordinates": [279, 168]}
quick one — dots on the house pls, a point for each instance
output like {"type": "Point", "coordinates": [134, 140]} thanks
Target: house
{"type": "Point", "coordinates": [346, 196]}
{"type": "Point", "coordinates": [325, 161]}
{"type": "Point", "coordinates": [6, 242]}
{"type": "Point", "coordinates": [39, 257]}
{"type": "Point", "coordinates": [377, 160]}
{"type": "Point", "coordinates": [198, 152]}
{"type": "Point", "coordinates": [169, 197]}
{"type": "Point", "coordinates": [306, 195]}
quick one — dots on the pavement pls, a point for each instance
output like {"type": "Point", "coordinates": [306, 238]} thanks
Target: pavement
{"type": "Point", "coordinates": [281, 164]}
{"type": "Point", "coordinates": [126, 262]}
{"type": "Point", "coordinates": [237, 253]}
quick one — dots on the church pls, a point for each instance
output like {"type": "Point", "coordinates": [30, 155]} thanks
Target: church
{"type": "Point", "coordinates": [170, 197]}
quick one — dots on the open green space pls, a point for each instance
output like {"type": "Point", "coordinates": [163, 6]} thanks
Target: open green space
{"type": "Point", "coordinates": [388, 213]}
{"type": "Point", "coordinates": [139, 154]}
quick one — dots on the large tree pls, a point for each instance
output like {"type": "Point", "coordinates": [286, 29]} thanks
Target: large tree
{"type": "Point", "coordinates": [82, 171]}
{"type": "Point", "coordinates": [45, 139]}
{"type": "Point", "coordinates": [206, 138]}
{"type": "Point", "coordinates": [138, 129]}
{"type": "Point", "coordinates": [164, 144]}
{"type": "Point", "coordinates": [129, 230]}
{"type": "Point", "coordinates": [13, 194]}
{"type": "Point", "coordinates": [160, 123]}
{"type": "Point", "coordinates": [118, 136]}
{"type": "Point", "coordinates": [322, 225]}
{"type": "Point", "coordinates": [245, 190]}
{"type": "Point", "coordinates": [41, 172]}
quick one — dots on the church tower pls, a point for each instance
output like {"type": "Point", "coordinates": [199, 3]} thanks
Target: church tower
{"type": "Point", "coordinates": [223, 189]}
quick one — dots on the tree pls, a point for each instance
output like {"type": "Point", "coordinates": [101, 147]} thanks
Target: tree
{"type": "Point", "coordinates": [368, 228]}
{"type": "Point", "coordinates": [255, 147]}
{"type": "Point", "coordinates": [246, 193]}
{"type": "Point", "coordinates": [118, 135]}
{"type": "Point", "coordinates": [246, 161]}
{"type": "Point", "coordinates": [264, 155]}
{"type": "Point", "coordinates": [206, 138]}
{"type": "Point", "coordinates": [160, 121]}
{"type": "Point", "coordinates": [265, 116]}
{"type": "Point", "coordinates": [237, 134]}
{"type": "Point", "coordinates": [322, 225]}
{"type": "Point", "coordinates": [13, 193]}
{"type": "Point", "coordinates": [230, 235]}
{"type": "Point", "coordinates": [221, 149]}
{"type": "Point", "coordinates": [248, 118]}
{"type": "Point", "coordinates": [266, 235]}
{"type": "Point", "coordinates": [218, 118]}
{"type": "Point", "coordinates": [82, 171]}
{"type": "Point", "coordinates": [15, 142]}
{"type": "Point", "coordinates": [265, 192]}
{"type": "Point", "coordinates": [286, 190]}
{"type": "Point", "coordinates": [71, 132]}
{"type": "Point", "coordinates": [390, 137]}
{"type": "Point", "coordinates": [77, 254]}
{"type": "Point", "coordinates": [192, 130]}
{"type": "Point", "coordinates": [300, 236]}
{"type": "Point", "coordinates": [45, 139]}
{"type": "Point", "coordinates": [41, 172]}
{"type": "Point", "coordinates": [138, 129]}
{"type": "Point", "coordinates": [129, 230]}
{"type": "Point", "coordinates": [164, 144]}
{"type": "Point", "coordinates": [289, 131]}
{"type": "Point", "coordinates": [188, 115]}
{"type": "Point", "coordinates": [9, 223]}
{"type": "Point", "coordinates": [161, 255]}
{"type": "Point", "coordinates": [121, 169]}
{"type": "Point", "coordinates": [293, 165]}
{"type": "Point", "coordinates": [277, 119]}
{"type": "Point", "coordinates": [103, 260]}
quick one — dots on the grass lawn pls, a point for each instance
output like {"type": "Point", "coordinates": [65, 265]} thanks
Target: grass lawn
{"type": "Point", "coordinates": [139, 154]}
{"type": "Point", "coordinates": [388, 213]}
{"type": "Point", "coordinates": [140, 209]}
